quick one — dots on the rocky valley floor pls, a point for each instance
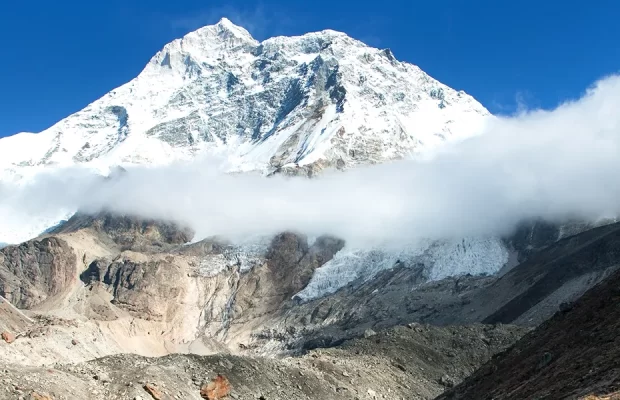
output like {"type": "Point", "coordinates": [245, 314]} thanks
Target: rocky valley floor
{"type": "Point", "coordinates": [406, 362]}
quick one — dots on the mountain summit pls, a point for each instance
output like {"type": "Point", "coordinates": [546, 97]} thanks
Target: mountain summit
{"type": "Point", "coordinates": [313, 101]}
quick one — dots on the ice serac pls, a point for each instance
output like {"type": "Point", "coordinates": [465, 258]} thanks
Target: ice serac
{"type": "Point", "coordinates": [307, 102]}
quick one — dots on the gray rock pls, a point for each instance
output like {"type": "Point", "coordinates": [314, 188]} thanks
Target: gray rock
{"type": "Point", "coordinates": [369, 333]}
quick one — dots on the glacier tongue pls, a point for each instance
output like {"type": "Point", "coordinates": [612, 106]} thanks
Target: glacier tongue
{"type": "Point", "coordinates": [435, 261]}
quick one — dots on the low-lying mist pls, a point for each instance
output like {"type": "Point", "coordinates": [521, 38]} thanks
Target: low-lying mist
{"type": "Point", "coordinates": [555, 165]}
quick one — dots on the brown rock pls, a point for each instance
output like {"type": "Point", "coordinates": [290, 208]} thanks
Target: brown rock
{"type": "Point", "coordinates": [74, 342]}
{"type": "Point", "coordinates": [610, 396]}
{"type": "Point", "coordinates": [217, 389]}
{"type": "Point", "coordinates": [35, 270]}
{"type": "Point", "coordinates": [8, 337]}
{"type": "Point", "coordinates": [129, 232]}
{"type": "Point", "coordinates": [153, 391]}
{"type": "Point", "coordinates": [37, 396]}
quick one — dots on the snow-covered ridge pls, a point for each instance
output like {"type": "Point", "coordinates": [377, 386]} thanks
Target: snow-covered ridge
{"type": "Point", "coordinates": [321, 97]}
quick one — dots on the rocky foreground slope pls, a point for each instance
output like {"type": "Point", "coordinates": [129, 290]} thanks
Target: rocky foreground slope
{"type": "Point", "coordinates": [572, 355]}
{"type": "Point", "coordinates": [407, 362]}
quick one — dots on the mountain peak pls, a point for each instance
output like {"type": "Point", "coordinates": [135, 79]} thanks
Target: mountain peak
{"type": "Point", "coordinates": [320, 100]}
{"type": "Point", "coordinates": [225, 22]}
{"type": "Point", "coordinates": [202, 45]}
{"type": "Point", "coordinates": [225, 30]}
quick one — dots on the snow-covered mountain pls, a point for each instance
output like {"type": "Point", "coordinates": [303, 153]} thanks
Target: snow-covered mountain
{"type": "Point", "coordinates": [317, 100]}
{"type": "Point", "coordinates": [293, 103]}
{"type": "Point", "coordinates": [297, 104]}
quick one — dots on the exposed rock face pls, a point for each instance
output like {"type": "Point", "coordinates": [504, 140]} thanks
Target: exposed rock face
{"type": "Point", "coordinates": [214, 296]}
{"type": "Point", "coordinates": [11, 319]}
{"type": "Point", "coordinates": [36, 270]}
{"type": "Point", "coordinates": [533, 236]}
{"type": "Point", "coordinates": [561, 273]}
{"type": "Point", "coordinates": [129, 232]}
{"type": "Point", "coordinates": [158, 287]}
{"type": "Point", "coordinates": [195, 292]}
{"type": "Point", "coordinates": [528, 294]}
{"type": "Point", "coordinates": [289, 267]}
{"type": "Point", "coordinates": [149, 290]}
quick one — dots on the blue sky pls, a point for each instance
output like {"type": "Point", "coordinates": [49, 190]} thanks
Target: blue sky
{"type": "Point", "coordinates": [59, 56]}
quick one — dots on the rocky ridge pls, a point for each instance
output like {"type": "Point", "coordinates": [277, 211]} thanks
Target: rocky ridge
{"type": "Point", "coordinates": [117, 284]}
{"type": "Point", "coordinates": [105, 290]}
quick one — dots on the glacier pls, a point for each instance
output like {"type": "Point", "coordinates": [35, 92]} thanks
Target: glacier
{"type": "Point", "coordinates": [435, 260]}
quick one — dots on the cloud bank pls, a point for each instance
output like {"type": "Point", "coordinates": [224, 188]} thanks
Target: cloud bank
{"type": "Point", "coordinates": [556, 165]}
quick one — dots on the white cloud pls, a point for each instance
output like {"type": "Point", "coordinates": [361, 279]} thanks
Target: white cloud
{"type": "Point", "coordinates": [552, 164]}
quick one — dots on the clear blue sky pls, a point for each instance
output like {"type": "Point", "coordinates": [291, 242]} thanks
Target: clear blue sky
{"type": "Point", "coordinates": [58, 56]}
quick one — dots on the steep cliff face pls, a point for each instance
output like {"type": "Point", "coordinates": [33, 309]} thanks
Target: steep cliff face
{"type": "Point", "coordinates": [161, 287]}
{"type": "Point", "coordinates": [531, 237]}
{"type": "Point", "coordinates": [129, 232]}
{"type": "Point", "coordinates": [36, 270]}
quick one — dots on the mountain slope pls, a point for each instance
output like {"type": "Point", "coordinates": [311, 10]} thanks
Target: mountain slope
{"type": "Point", "coordinates": [414, 362]}
{"type": "Point", "coordinates": [212, 295]}
{"type": "Point", "coordinates": [573, 355]}
{"type": "Point", "coordinates": [318, 99]}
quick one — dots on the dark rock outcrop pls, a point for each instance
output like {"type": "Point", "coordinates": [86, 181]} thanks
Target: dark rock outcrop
{"type": "Point", "coordinates": [129, 232]}
{"type": "Point", "coordinates": [571, 355]}
{"type": "Point", "coordinates": [531, 237]}
{"type": "Point", "coordinates": [530, 293]}
{"type": "Point", "coordinates": [35, 270]}
{"type": "Point", "coordinates": [153, 287]}
{"type": "Point", "coordinates": [290, 263]}
{"type": "Point", "coordinates": [589, 256]}
{"type": "Point", "coordinates": [148, 290]}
